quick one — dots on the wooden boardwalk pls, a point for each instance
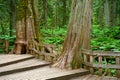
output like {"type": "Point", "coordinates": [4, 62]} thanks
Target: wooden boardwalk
{"type": "Point", "coordinates": [26, 67]}
{"type": "Point", "coordinates": [94, 77]}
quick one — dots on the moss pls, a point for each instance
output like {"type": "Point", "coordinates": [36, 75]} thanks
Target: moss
{"type": "Point", "coordinates": [22, 9]}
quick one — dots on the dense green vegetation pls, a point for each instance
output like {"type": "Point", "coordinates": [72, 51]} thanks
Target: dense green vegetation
{"type": "Point", "coordinates": [107, 39]}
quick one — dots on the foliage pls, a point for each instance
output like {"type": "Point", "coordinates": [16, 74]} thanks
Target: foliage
{"type": "Point", "coordinates": [107, 39]}
{"type": "Point", "coordinates": [6, 36]}
{"type": "Point", "coordinates": [54, 37]}
{"type": "Point", "coordinates": [54, 11]}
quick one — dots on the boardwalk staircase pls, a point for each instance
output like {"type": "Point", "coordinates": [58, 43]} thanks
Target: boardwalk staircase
{"type": "Point", "coordinates": [27, 67]}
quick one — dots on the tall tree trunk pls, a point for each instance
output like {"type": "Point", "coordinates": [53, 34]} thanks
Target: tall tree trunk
{"type": "Point", "coordinates": [113, 12]}
{"type": "Point", "coordinates": [107, 13]}
{"type": "Point", "coordinates": [64, 12]}
{"type": "Point", "coordinates": [12, 17]}
{"type": "Point", "coordinates": [45, 13]}
{"type": "Point", "coordinates": [118, 12]}
{"type": "Point", "coordinates": [78, 35]}
{"type": "Point", "coordinates": [56, 20]}
{"type": "Point", "coordinates": [101, 15]}
{"type": "Point", "coordinates": [36, 21]}
{"type": "Point", "coordinates": [27, 26]}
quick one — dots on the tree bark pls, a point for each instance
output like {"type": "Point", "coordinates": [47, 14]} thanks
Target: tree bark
{"type": "Point", "coordinates": [78, 35]}
{"type": "Point", "coordinates": [56, 15]}
{"type": "Point", "coordinates": [64, 12]}
{"type": "Point", "coordinates": [27, 25]}
{"type": "Point", "coordinates": [107, 13]}
{"type": "Point", "coordinates": [113, 12]}
{"type": "Point", "coordinates": [12, 17]}
{"type": "Point", "coordinates": [101, 14]}
{"type": "Point", "coordinates": [45, 13]}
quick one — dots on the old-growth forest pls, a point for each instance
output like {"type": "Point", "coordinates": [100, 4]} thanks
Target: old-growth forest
{"type": "Point", "coordinates": [61, 26]}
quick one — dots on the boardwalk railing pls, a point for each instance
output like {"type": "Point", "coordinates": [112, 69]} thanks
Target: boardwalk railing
{"type": "Point", "coordinates": [91, 56]}
{"type": "Point", "coordinates": [34, 50]}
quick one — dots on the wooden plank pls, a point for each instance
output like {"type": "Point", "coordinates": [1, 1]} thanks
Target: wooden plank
{"type": "Point", "coordinates": [98, 53]}
{"type": "Point", "coordinates": [65, 74]}
{"type": "Point", "coordinates": [93, 77]}
{"type": "Point", "coordinates": [80, 77]}
{"type": "Point", "coordinates": [118, 70]}
{"type": "Point", "coordinates": [41, 53]}
{"type": "Point", "coordinates": [103, 66]}
{"type": "Point", "coordinates": [113, 78]}
{"type": "Point", "coordinates": [99, 78]}
{"type": "Point", "coordinates": [109, 78]}
{"type": "Point", "coordinates": [105, 78]}
{"type": "Point", "coordinates": [100, 69]}
{"type": "Point", "coordinates": [45, 73]}
{"type": "Point", "coordinates": [106, 66]}
{"type": "Point", "coordinates": [84, 77]}
{"type": "Point", "coordinates": [85, 60]}
{"type": "Point", "coordinates": [86, 52]}
{"type": "Point", "coordinates": [22, 66]}
{"type": "Point", "coordinates": [11, 59]}
{"type": "Point", "coordinates": [106, 53]}
{"type": "Point", "coordinates": [91, 62]}
{"type": "Point", "coordinates": [87, 77]}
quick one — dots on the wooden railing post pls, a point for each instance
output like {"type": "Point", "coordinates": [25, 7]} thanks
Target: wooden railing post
{"type": "Point", "coordinates": [100, 69]}
{"type": "Point", "coordinates": [117, 63]}
{"type": "Point", "coordinates": [85, 60]}
{"type": "Point", "coordinates": [91, 63]}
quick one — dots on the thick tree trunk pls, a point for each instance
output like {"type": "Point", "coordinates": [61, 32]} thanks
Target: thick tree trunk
{"type": "Point", "coordinates": [78, 35]}
{"type": "Point", "coordinates": [27, 26]}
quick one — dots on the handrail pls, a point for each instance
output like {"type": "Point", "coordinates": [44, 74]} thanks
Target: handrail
{"type": "Point", "coordinates": [34, 49]}
{"type": "Point", "coordinates": [101, 55]}
{"type": "Point", "coordinates": [45, 56]}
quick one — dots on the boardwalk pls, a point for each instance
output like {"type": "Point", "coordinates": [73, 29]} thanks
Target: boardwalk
{"type": "Point", "coordinates": [26, 67]}
{"type": "Point", "coordinates": [94, 77]}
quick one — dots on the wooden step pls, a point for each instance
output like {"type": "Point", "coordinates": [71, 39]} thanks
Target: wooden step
{"type": "Point", "coordinates": [11, 59]}
{"type": "Point", "coordinates": [45, 73]}
{"type": "Point", "coordinates": [22, 66]}
{"type": "Point", "coordinates": [84, 77]}
{"type": "Point", "coordinates": [65, 74]}
{"type": "Point", "coordinates": [94, 77]}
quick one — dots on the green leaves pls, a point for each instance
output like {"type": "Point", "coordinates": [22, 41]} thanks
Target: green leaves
{"type": "Point", "coordinates": [107, 39]}
{"type": "Point", "coordinates": [54, 37]}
